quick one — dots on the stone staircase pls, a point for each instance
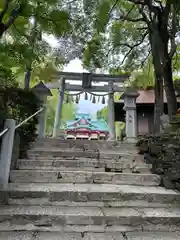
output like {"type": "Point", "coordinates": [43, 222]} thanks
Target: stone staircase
{"type": "Point", "coordinates": [87, 190]}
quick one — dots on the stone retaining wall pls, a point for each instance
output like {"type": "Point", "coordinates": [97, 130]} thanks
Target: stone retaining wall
{"type": "Point", "coordinates": [163, 152]}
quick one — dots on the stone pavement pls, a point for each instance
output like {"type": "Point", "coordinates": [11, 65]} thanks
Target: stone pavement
{"type": "Point", "coordinates": [87, 191]}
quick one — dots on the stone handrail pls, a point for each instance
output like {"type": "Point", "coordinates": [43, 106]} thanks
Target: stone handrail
{"type": "Point", "coordinates": [3, 132]}
{"type": "Point", "coordinates": [7, 147]}
{"type": "Point", "coordinates": [20, 124]}
{"type": "Point", "coordinates": [27, 119]}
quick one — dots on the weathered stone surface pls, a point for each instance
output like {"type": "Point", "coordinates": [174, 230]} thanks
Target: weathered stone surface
{"type": "Point", "coordinates": [54, 153]}
{"type": "Point", "coordinates": [27, 235]}
{"type": "Point", "coordinates": [62, 153]}
{"type": "Point", "coordinates": [84, 177]}
{"type": "Point", "coordinates": [152, 236]}
{"type": "Point", "coordinates": [107, 195]}
{"type": "Point", "coordinates": [81, 144]}
{"type": "Point", "coordinates": [102, 165]}
{"type": "Point", "coordinates": [61, 216]}
{"type": "Point", "coordinates": [78, 191]}
{"type": "Point", "coordinates": [104, 236]}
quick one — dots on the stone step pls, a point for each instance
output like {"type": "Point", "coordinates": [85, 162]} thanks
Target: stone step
{"type": "Point", "coordinates": [35, 235]}
{"type": "Point", "coordinates": [84, 177]}
{"type": "Point", "coordinates": [96, 229]}
{"type": "Point", "coordinates": [109, 204]}
{"type": "Point", "coordinates": [67, 143]}
{"type": "Point", "coordinates": [56, 152]}
{"type": "Point", "coordinates": [124, 169]}
{"type": "Point", "coordinates": [121, 149]}
{"type": "Point", "coordinates": [84, 142]}
{"type": "Point", "coordinates": [84, 165]}
{"type": "Point", "coordinates": [67, 169]}
{"type": "Point", "coordinates": [148, 219]}
{"type": "Point", "coordinates": [127, 158]}
{"type": "Point", "coordinates": [102, 195]}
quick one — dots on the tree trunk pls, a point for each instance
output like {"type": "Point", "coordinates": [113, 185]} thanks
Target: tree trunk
{"type": "Point", "coordinates": [159, 103]}
{"type": "Point", "coordinates": [2, 29]}
{"type": "Point", "coordinates": [158, 91]}
{"type": "Point", "coordinates": [166, 61]}
{"type": "Point", "coordinates": [169, 88]}
{"type": "Point", "coordinates": [27, 79]}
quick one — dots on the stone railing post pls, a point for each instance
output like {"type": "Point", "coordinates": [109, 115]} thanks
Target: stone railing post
{"type": "Point", "coordinates": [6, 152]}
{"type": "Point", "coordinates": [131, 115]}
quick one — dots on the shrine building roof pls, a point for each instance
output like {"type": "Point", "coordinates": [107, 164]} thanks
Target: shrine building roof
{"type": "Point", "coordinates": [148, 97]}
{"type": "Point", "coordinates": [84, 121]}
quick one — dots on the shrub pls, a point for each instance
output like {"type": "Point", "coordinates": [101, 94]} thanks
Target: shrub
{"type": "Point", "coordinates": [163, 152]}
{"type": "Point", "coordinates": [19, 104]}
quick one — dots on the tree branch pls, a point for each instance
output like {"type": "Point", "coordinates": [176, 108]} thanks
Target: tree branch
{"type": "Point", "coordinates": [20, 33]}
{"type": "Point", "coordinates": [173, 34]}
{"type": "Point", "coordinates": [145, 18]}
{"type": "Point", "coordinates": [131, 48]}
{"type": "Point", "coordinates": [134, 46]}
{"type": "Point", "coordinates": [126, 17]}
{"type": "Point", "coordinates": [146, 58]}
{"type": "Point", "coordinates": [5, 8]}
{"type": "Point", "coordinates": [13, 16]}
{"type": "Point", "coordinates": [160, 3]}
{"type": "Point", "coordinates": [113, 6]}
{"type": "Point", "coordinates": [142, 2]}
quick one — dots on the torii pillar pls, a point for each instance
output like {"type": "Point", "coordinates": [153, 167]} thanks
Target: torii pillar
{"type": "Point", "coordinates": [111, 117]}
{"type": "Point", "coordinates": [57, 120]}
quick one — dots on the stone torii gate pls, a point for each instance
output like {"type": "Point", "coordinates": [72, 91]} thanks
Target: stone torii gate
{"type": "Point", "coordinates": [87, 86]}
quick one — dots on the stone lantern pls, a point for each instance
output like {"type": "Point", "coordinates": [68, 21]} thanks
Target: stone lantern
{"type": "Point", "coordinates": [42, 92]}
{"type": "Point", "coordinates": [130, 97]}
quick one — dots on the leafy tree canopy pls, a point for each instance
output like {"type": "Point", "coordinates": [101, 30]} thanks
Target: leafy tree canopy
{"type": "Point", "coordinates": [23, 25]}
{"type": "Point", "coordinates": [120, 31]}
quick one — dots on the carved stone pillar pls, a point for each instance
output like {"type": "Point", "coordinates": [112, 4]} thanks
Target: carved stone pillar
{"type": "Point", "coordinates": [131, 115]}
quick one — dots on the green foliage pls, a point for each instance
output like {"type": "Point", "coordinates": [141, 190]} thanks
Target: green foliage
{"type": "Point", "coordinates": [176, 59]}
{"type": "Point", "coordinates": [103, 16]}
{"type": "Point", "coordinates": [103, 114]}
{"type": "Point", "coordinates": [48, 14]}
{"type": "Point", "coordinates": [119, 126]}
{"type": "Point", "coordinates": [7, 78]}
{"type": "Point", "coordinates": [177, 85]}
{"type": "Point", "coordinates": [124, 32]}
{"type": "Point", "coordinates": [143, 79]}
{"type": "Point", "coordinates": [121, 41]}
{"type": "Point", "coordinates": [45, 70]}
{"type": "Point", "coordinates": [19, 104]}
{"type": "Point", "coordinates": [25, 45]}
{"type": "Point", "coordinates": [92, 53]}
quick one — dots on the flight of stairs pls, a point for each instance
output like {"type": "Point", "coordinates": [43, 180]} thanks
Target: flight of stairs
{"type": "Point", "coordinates": [87, 190]}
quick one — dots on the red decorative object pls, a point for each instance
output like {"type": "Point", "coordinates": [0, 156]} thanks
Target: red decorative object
{"type": "Point", "coordinates": [178, 110]}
